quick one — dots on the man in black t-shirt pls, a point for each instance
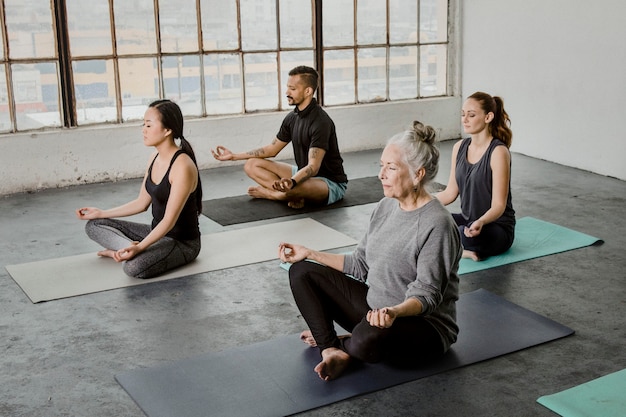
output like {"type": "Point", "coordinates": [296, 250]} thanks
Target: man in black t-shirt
{"type": "Point", "coordinates": [318, 176]}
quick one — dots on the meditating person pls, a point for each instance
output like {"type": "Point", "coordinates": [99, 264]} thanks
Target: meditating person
{"type": "Point", "coordinates": [172, 187]}
{"type": "Point", "coordinates": [396, 293]}
{"type": "Point", "coordinates": [480, 173]}
{"type": "Point", "coordinates": [318, 177]}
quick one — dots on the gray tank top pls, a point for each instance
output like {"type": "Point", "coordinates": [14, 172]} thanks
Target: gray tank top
{"type": "Point", "coordinates": [475, 185]}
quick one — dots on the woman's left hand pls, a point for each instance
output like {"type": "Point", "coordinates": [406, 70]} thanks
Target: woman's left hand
{"type": "Point", "coordinates": [128, 253]}
{"type": "Point", "coordinates": [382, 318]}
{"type": "Point", "coordinates": [474, 229]}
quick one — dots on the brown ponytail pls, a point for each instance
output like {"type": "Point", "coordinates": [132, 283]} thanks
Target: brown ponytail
{"type": "Point", "coordinates": [499, 127]}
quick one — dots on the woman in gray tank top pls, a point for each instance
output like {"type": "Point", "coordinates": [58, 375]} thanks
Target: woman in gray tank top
{"type": "Point", "coordinates": [480, 173]}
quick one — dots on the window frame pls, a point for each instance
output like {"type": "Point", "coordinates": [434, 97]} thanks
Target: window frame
{"type": "Point", "coordinates": [66, 79]}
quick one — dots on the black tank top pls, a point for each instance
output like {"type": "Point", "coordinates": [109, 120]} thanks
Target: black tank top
{"type": "Point", "coordinates": [186, 227]}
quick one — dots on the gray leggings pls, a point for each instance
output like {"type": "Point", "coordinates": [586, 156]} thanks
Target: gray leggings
{"type": "Point", "coordinates": [163, 255]}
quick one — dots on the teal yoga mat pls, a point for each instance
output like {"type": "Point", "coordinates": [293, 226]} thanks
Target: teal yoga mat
{"type": "Point", "coordinates": [534, 238]}
{"type": "Point", "coordinates": [602, 397]}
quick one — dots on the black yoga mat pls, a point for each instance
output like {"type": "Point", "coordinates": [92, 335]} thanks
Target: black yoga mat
{"type": "Point", "coordinates": [243, 208]}
{"type": "Point", "coordinates": [276, 378]}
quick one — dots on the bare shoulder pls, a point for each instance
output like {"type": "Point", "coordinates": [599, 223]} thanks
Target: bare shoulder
{"type": "Point", "coordinates": [500, 158]}
{"type": "Point", "coordinates": [501, 152]}
{"type": "Point", "coordinates": [184, 166]}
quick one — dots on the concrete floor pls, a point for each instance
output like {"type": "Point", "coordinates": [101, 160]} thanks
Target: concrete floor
{"type": "Point", "coordinates": [59, 358]}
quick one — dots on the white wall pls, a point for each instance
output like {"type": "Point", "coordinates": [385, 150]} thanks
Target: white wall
{"type": "Point", "coordinates": [59, 158]}
{"type": "Point", "coordinates": [560, 68]}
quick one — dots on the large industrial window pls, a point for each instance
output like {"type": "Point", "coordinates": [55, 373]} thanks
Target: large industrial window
{"type": "Point", "coordinates": [66, 63]}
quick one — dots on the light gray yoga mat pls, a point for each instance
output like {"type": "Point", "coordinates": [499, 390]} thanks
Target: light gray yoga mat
{"type": "Point", "coordinates": [275, 377]}
{"type": "Point", "coordinates": [88, 273]}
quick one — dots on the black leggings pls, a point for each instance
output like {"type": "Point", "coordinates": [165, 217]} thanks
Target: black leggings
{"type": "Point", "coordinates": [324, 296]}
{"type": "Point", "coordinates": [493, 239]}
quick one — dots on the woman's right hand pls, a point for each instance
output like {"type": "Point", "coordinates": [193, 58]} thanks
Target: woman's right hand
{"type": "Point", "coordinates": [88, 213]}
{"type": "Point", "coordinates": [288, 252]}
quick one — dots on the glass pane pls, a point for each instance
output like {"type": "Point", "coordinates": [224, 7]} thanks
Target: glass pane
{"type": "Point", "coordinates": [181, 80]}
{"type": "Point", "coordinates": [372, 69]}
{"type": "Point", "coordinates": [89, 27]}
{"type": "Point", "coordinates": [433, 21]}
{"type": "Point", "coordinates": [5, 120]}
{"type": "Point", "coordinates": [222, 82]}
{"type": "Point", "coordinates": [29, 24]}
{"type": "Point", "coordinates": [258, 25]}
{"type": "Point", "coordinates": [338, 77]}
{"type": "Point", "coordinates": [338, 22]}
{"type": "Point", "coordinates": [219, 25]}
{"type": "Point", "coordinates": [261, 74]}
{"type": "Point", "coordinates": [296, 24]}
{"type": "Point", "coordinates": [179, 25]}
{"type": "Point", "coordinates": [289, 60]}
{"type": "Point", "coordinates": [134, 27]}
{"type": "Point", "coordinates": [402, 21]}
{"type": "Point", "coordinates": [36, 90]}
{"type": "Point", "coordinates": [433, 70]}
{"type": "Point", "coordinates": [371, 22]}
{"type": "Point", "coordinates": [94, 87]}
{"type": "Point", "coordinates": [139, 85]}
{"type": "Point", "coordinates": [403, 72]}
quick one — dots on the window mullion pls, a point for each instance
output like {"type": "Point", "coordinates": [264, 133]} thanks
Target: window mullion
{"type": "Point", "coordinates": [319, 48]}
{"type": "Point", "coordinates": [203, 107]}
{"type": "Point", "coordinates": [68, 99]}
{"type": "Point", "coordinates": [116, 67]}
{"type": "Point", "coordinates": [8, 72]}
{"type": "Point", "coordinates": [159, 51]}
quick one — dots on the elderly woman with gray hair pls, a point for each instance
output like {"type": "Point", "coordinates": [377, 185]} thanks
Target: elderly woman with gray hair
{"type": "Point", "coordinates": [396, 293]}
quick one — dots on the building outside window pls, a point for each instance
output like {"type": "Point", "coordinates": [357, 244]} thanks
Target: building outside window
{"type": "Point", "coordinates": [66, 63]}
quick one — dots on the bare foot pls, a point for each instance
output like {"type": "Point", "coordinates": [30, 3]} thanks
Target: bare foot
{"type": "Point", "coordinates": [296, 204]}
{"type": "Point", "coordinates": [470, 255]}
{"type": "Point", "coordinates": [307, 337]}
{"type": "Point", "coordinates": [334, 362]}
{"type": "Point", "coordinates": [258, 192]}
{"type": "Point", "coordinates": [107, 253]}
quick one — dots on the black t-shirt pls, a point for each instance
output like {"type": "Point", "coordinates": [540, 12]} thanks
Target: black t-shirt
{"type": "Point", "coordinates": [313, 128]}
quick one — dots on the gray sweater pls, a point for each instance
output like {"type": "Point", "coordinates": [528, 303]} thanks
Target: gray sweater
{"type": "Point", "coordinates": [411, 254]}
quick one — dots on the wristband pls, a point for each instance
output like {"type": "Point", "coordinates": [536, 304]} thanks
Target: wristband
{"type": "Point", "coordinates": [294, 183]}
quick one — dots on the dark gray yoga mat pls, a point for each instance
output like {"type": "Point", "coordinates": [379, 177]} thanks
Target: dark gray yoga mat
{"type": "Point", "coordinates": [276, 378]}
{"type": "Point", "coordinates": [243, 208]}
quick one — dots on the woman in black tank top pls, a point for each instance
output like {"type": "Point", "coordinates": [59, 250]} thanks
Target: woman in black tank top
{"type": "Point", "coordinates": [172, 187]}
{"type": "Point", "coordinates": [481, 174]}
